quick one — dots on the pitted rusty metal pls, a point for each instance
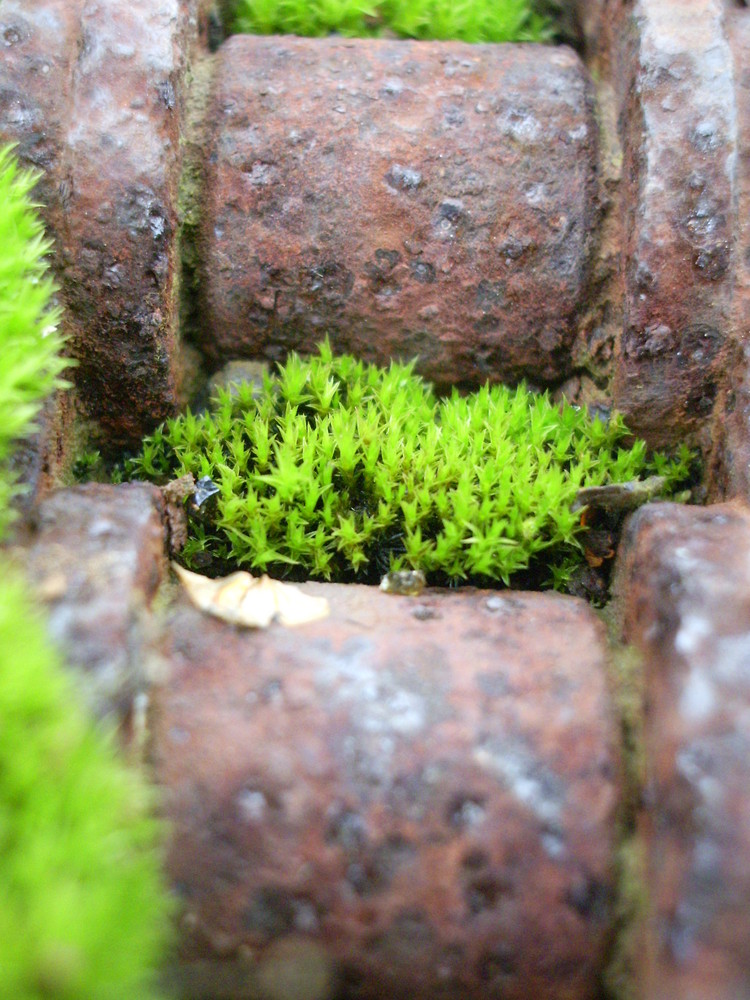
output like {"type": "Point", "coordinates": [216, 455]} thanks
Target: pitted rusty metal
{"type": "Point", "coordinates": [731, 429]}
{"type": "Point", "coordinates": [39, 44]}
{"type": "Point", "coordinates": [677, 86]}
{"type": "Point", "coordinates": [95, 560]}
{"type": "Point", "coordinates": [418, 794]}
{"type": "Point", "coordinates": [684, 584]}
{"type": "Point", "coordinates": [680, 140]}
{"type": "Point", "coordinates": [93, 94]}
{"type": "Point", "coordinates": [122, 167]}
{"type": "Point", "coordinates": [407, 199]}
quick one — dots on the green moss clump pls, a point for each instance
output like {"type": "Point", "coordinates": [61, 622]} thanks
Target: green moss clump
{"type": "Point", "coordinates": [83, 912]}
{"type": "Point", "coordinates": [345, 471]}
{"type": "Point", "coordinates": [466, 20]}
{"type": "Point", "coordinates": [30, 363]}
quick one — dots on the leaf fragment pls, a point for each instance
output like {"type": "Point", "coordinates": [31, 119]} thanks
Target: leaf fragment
{"type": "Point", "coordinates": [253, 602]}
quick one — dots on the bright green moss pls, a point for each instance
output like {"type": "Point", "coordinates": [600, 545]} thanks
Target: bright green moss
{"type": "Point", "coordinates": [30, 364]}
{"type": "Point", "coordinates": [83, 912]}
{"type": "Point", "coordinates": [467, 20]}
{"type": "Point", "coordinates": [344, 471]}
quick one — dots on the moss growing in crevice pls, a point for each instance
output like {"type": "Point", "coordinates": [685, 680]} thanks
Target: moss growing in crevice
{"type": "Point", "coordinates": [621, 976]}
{"type": "Point", "coordinates": [627, 682]}
{"type": "Point", "coordinates": [467, 20]}
{"type": "Point", "coordinates": [190, 206]}
{"type": "Point", "coordinates": [563, 17]}
{"type": "Point", "coordinates": [345, 471]}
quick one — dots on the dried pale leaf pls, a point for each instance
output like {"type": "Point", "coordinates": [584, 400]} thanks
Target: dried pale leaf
{"type": "Point", "coordinates": [251, 601]}
{"type": "Point", "coordinates": [621, 496]}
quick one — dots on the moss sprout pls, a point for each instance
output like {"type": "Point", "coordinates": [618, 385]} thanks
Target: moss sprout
{"type": "Point", "coordinates": [342, 470]}
{"type": "Point", "coordinates": [466, 20]}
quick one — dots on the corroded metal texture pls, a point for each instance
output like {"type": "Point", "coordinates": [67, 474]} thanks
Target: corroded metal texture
{"type": "Point", "coordinates": [93, 92]}
{"type": "Point", "coordinates": [41, 460]}
{"type": "Point", "coordinates": [407, 199]}
{"type": "Point", "coordinates": [39, 42]}
{"type": "Point", "coordinates": [684, 581]}
{"type": "Point", "coordinates": [38, 45]}
{"type": "Point", "coordinates": [672, 68]}
{"type": "Point", "coordinates": [413, 798]}
{"type": "Point", "coordinates": [121, 174]}
{"type": "Point", "coordinates": [730, 470]}
{"type": "Point", "coordinates": [95, 560]}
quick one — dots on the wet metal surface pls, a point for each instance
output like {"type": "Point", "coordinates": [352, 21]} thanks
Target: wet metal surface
{"type": "Point", "coordinates": [118, 256]}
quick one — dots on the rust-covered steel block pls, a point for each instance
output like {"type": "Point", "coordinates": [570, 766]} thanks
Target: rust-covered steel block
{"type": "Point", "coordinates": [677, 84]}
{"type": "Point", "coordinates": [38, 46]}
{"type": "Point", "coordinates": [121, 174]}
{"type": "Point", "coordinates": [680, 146]}
{"type": "Point", "coordinates": [731, 458]}
{"type": "Point", "coordinates": [93, 92]}
{"type": "Point", "coordinates": [413, 798]}
{"type": "Point", "coordinates": [95, 559]}
{"type": "Point", "coordinates": [430, 200]}
{"type": "Point", "coordinates": [684, 584]}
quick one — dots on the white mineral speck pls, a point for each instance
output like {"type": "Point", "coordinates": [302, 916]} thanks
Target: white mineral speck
{"type": "Point", "coordinates": [252, 805]}
{"type": "Point", "coordinates": [698, 698]}
{"type": "Point", "coordinates": [691, 633]}
{"type": "Point", "coordinates": [536, 194]}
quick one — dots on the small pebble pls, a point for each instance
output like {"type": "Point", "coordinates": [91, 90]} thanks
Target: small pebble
{"type": "Point", "coordinates": [409, 582]}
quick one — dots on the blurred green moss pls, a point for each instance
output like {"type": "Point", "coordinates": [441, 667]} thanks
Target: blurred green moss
{"type": "Point", "coordinates": [30, 342]}
{"type": "Point", "coordinates": [465, 20]}
{"type": "Point", "coordinates": [84, 909]}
